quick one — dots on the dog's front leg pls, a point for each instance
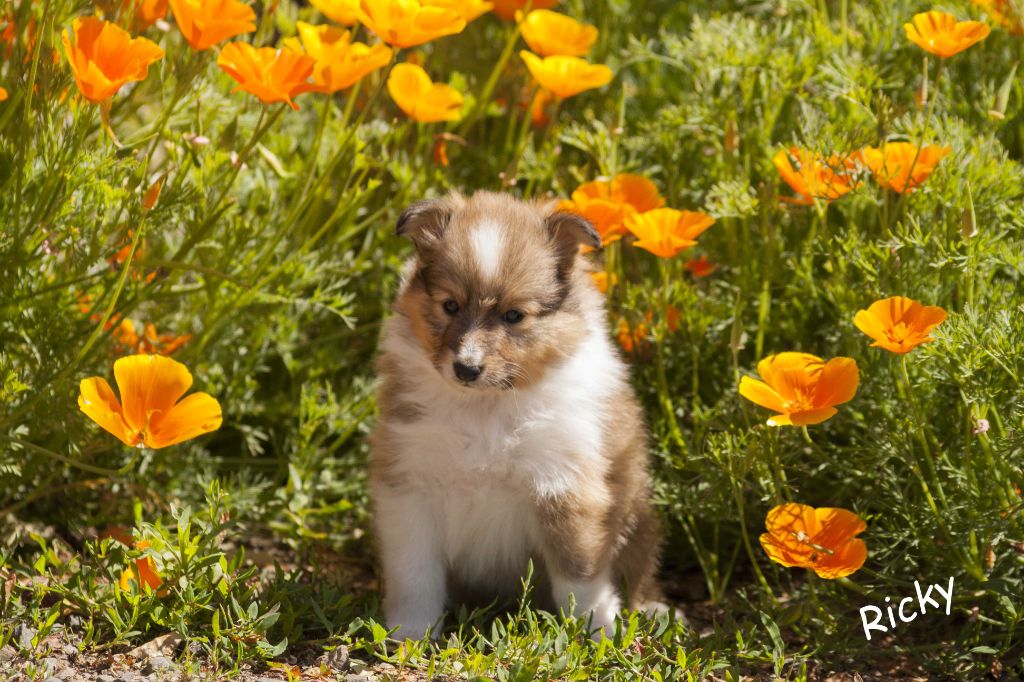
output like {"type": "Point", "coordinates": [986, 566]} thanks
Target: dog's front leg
{"type": "Point", "coordinates": [415, 588]}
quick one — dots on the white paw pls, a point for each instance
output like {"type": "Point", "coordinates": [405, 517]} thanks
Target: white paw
{"type": "Point", "coordinates": [414, 625]}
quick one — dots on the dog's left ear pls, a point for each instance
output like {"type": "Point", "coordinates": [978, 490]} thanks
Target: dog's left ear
{"type": "Point", "coordinates": [567, 231]}
{"type": "Point", "coordinates": [425, 222]}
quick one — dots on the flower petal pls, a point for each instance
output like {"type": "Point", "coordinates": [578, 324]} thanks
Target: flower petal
{"type": "Point", "coordinates": [197, 414]}
{"type": "Point", "coordinates": [97, 400]}
{"type": "Point", "coordinates": [149, 384]}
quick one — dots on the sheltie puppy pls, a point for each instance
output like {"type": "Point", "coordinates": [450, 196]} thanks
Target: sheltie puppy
{"type": "Point", "coordinates": [508, 429]}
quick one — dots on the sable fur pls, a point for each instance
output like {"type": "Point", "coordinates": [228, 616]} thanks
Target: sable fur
{"type": "Point", "coordinates": [542, 457]}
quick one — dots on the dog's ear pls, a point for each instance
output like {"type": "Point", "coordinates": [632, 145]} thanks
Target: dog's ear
{"type": "Point", "coordinates": [567, 231]}
{"type": "Point", "coordinates": [425, 221]}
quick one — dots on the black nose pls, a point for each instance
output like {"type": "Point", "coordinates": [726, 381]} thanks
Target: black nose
{"type": "Point", "coordinates": [467, 373]}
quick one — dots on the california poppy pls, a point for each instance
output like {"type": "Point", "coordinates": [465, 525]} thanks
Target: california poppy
{"type": "Point", "coordinates": [607, 203]}
{"type": "Point", "coordinates": [104, 57]}
{"type": "Point", "coordinates": [467, 9]}
{"type": "Point", "coordinates": [899, 324]}
{"type": "Point", "coordinates": [900, 166]}
{"type": "Point", "coordinates": [3, 93]}
{"type": "Point", "coordinates": [143, 573]}
{"type": "Point", "coordinates": [271, 74]}
{"type": "Point", "coordinates": [566, 76]}
{"type": "Point", "coordinates": [812, 176]}
{"type": "Point", "coordinates": [1004, 13]}
{"type": "Point", "coordinates": [602, 280]}
{"type": "Point", "coordinates": [204, 23]}
{"type": "Point", "coordinates": [420, 98]}
{"type": "Point", "coordinates": [148, 12]}
{"type": "Point", "coordinates": [506, 9]}
{"type": "Point", "coordinates": [405, 23]}
{"type": "Point", "coordinates": [340, 63]}
{"type": "Point", "coordinates": [942, 35]}
{"type": "Point", "coordinates": [149, 412]}
{"type": "Point", "coordinates": [700, 267]}
{"type": "Point", "coordinates": [550, 33]}
{"type": "Point", "coordinates": [339, 11]}
{"type": "Point", "coordinates": [802, 388]}
{"type": "Point", "coordinates": [823, 539]}
{"type": "Point", "coordinates": [666, 231]}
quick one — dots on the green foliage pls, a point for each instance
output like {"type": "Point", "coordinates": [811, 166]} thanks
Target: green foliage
{"type": "Point", "coordinates": [271, 246]}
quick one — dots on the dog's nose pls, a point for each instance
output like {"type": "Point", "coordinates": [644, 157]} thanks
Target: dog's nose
{"type": "Point", "coordinates": [467, 373]}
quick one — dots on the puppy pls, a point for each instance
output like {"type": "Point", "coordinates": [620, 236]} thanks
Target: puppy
{"type": "Point", "coordinates": [508, 430]}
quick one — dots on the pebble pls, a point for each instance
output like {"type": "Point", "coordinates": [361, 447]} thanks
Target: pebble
{"type": "Point", "coordinates": [104, 678]}
{"type": "Point", "coordinates": [52, 665]}
{"type": "Point", "coordinates": [156, 664]}
{"type": "Point", "coordinates": [336, 659]}
{"type": "Point", "coordinates": [7, 653]}
{"type": "Point", "coordinates": [24, 635]}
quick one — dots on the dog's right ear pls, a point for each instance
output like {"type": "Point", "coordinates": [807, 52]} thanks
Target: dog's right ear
{"type": "Point", "coordinates": [425, 221]}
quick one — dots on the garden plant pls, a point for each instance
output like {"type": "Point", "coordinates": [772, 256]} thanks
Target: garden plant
{"type": "Point", "coordinates": [813, 260]}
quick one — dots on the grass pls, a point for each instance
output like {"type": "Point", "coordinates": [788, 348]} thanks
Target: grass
{"type": "Point", "coordinates": [271, 245]}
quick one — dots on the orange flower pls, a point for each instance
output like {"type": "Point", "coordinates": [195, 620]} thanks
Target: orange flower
{"type": "Point", "coordinates": [3, 93]}
{"type": "Point", "coordinates": [550, 33]}
{"type": "Point", "coordinates": [942, 35]}
{"type": "Point", "coordinates": [602, 280]}
{"type": "Point", "coordinates": [538, 108]}
{"type": "Point", "coordinates": [467, 9]}
{"type": "Point", "coordinates": [666, 231]}
{"type": "Point", "coordinates": [125, 335]}
{"type": "Point", "coordinates": [339, 11]}
{"type": "Point", "coordinates": [802, 388]}
{"type": "Point", "coordinates": [204, 23]}
{"type": "Point", "coordinates": [420, 98]}
{"type": "Point", "coordinates": [606, 204]}
{"type": "Point", "coordinates": [566, 76]}
{"type": "Point", "coordinates": [161, 344]}
{"type": "Point", "coordinates": [149, 412]}
{"type": "Point", "coordinates": [340, 63]}
{"type": "Point", "coordinates": [813, 177]}
{"type": "Point", "coordinates": [631, 339]}
{"type": "Point", "coordinates": [506, 9]}
{"type": "Point", "coordinates": [105, 57]}
{"type": "Point", "coordinates": [143, 574]}
{"type": "Point", "coordinates": [1004, 13]}
{"type": "Point", "coordinates": [147, 12]}
{"type": "Point", "coordinates": [824, 539]}
{"type": "Point", "coordinates": [899, 324]}
{"type": "Point", "coordinates": [899, 166]}
{"type": "Point", "coordinates": [271, 74]}
{"type": "Point", "coordinates": [405, 23]}
{"type": "Point", "coordinates": [700, 267]}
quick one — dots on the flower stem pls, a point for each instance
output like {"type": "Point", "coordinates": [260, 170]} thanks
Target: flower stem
{"type": "Point", "coordinates": [491, 83]}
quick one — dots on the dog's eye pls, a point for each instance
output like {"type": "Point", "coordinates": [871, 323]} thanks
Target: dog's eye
{"type": "Point", "coordinates": [450, 307]}
{"type": "Point", "coordinates": [513, 317]}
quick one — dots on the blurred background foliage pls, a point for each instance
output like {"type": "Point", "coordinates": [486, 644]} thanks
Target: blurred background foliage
{"type": "Point", "coordinates": [278, 258]}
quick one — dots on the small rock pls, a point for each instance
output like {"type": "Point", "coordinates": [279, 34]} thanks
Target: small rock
{"type": "Point", "coordinates": [53, 679]}
{"type": "Point", "coordinates": [24, 634]}
{"type": "Point", "coordinates": [105, 678]}
{"type": "Point", "coordinates": [164, 645]}
{"type": "Point", "coordinates": [156, 664]}
{"type": "Point", "coordinates": [71, 651]}
{"type": "Point", "coordinates": [336, 659]}
{"type": "Point", "coordinates": [52, 665]}
{"type": "Point", "coordinates": [7, 653]}
{"type": "Point", "coordinates": [126, 677]}
{"type": "Point", "coordinates": [365, 676]}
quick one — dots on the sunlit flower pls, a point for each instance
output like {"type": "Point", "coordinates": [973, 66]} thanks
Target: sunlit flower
{"type": "Point", "coordinates": [404, 23]}
{"type": "Point", "coordinates": [340, 63]}
{"type": "Point", "coordinates": [104, 57]}
{"type": "Point", "coordinates": [204, 23]}
{"type": "Point", "coordinates": [899, 324]}
{"type": "Point", "coordinates": [271, 74]}
{"type": "Point", "coordinates": [802, 388]}
{"type": "Point", "coordinates": [539, 108]}
{"type": "Point", "coordinates": [700, 267]}
{"type": "Point", "coordinates": [343, 12]}
{"type": "Point", "coordinates": [1004, 13]}
{"type": "Point", "coordinates": [148, 12]}
{"type": "Point", "coordinates": [161, 344]}
{"type": "Point", "coordinates": [149, 412]}
{"type": "Point", "coordinates": [143, 574]}
{"type": "Point", "coordinates": [550, 33]}
{"type": "Point", "coordinates": [813, 177]}
{"type": "Point", "coordinates": [605, 204]}
{"type": "Point", "coordinates": [634, 338]}
{"type": "Point", "coordinates": [467, 9]}
{"type": "Point", "coordinates": [666, 231]}
{"type": "Point", "coordinates": [420, 98]}
{"type": "Point", "coordinates": [506, 9]}
{"type": "Point", "coordinates": [566, 76]}
{"type": "Point", "coordinates": [125, 335]}
{"type": "Point", "coordinates": [602, 279]}
{"type": "Point", "coordinates": [942, 35]}
{"type": "Point", "coordinates": [899, 166]}
{"type": "Point", "coordinates": [3, 93]}
{"type": "Point", "coordinates": [824, 539]}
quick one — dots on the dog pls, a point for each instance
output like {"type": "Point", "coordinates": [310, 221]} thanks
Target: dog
{"type": "Point", "coordinates": [508, 431]}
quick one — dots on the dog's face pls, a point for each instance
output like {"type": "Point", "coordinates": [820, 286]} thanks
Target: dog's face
{"type": "Point", "coordinates": [493, 298]}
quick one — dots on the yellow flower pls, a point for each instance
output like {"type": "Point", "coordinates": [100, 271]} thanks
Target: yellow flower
{"type": "Point", "coordinates": [900, 166]}
{"type": "Point", "coordinates": [343, 12]}
{"type": "Point", "coordinates": [566, 76]}
{"type": "Point", "coordinates": [666, 231]}
{"type": "Point", "coordinates": [3, 93]}
{"type": "Point", "coordinates": [104, 57]}
{"type": "Point", "coordinates": [272, 75]}
{"type": "Point", "coordinates": [340, 63]}
{"type": "Point", "coordinates": [420, 98]}
{"type": "Point", "coordinates": [942, 35]}
{"type": "Point", "coordinates": [204, 23]}
{"type": "Point", "coordinates": [506, 9]}
{"type": "Point", "coordinates": [467, 9]}
{"type": "Point", "coordinates": [149, 412]}
{"type": "Point", "coordinates": [405, 23]}
{"type": "Point", "coordinates": [550, 33]}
